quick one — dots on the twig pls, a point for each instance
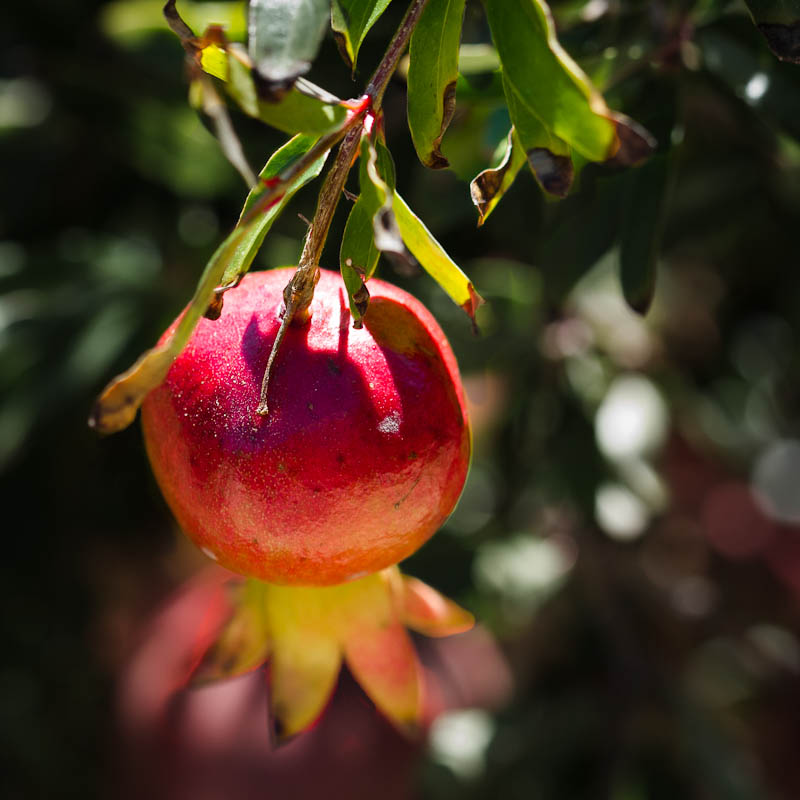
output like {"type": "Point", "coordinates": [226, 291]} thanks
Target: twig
{"type": "Point", "coordinates": [299, 292]}
{"type": "Point", "coordinates": [382, 75]}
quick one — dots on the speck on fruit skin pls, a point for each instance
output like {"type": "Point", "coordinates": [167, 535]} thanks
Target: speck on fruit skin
{"type": "Point", "coordinates": [323, 488]}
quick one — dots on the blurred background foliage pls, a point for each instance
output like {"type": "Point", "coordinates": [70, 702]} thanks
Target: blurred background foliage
{"type": "Point", "coordinates": [629, 531]}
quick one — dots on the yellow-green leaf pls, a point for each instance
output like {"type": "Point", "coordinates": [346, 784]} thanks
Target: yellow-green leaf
{"type": "Point", "coordinates": [433, 258]}
{"type": "Point", "coordinates": [117, 406]}
{"type": "Point", "coordinates": [296, 112]}
{"type": "Point", "coordinates": [214, 61]}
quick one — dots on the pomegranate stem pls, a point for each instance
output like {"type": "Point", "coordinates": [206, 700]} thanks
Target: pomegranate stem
{"type": "Point", "coordinates": [299, 292]}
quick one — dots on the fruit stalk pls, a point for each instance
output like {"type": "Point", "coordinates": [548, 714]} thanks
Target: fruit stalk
{"type": "Point", "coordinates": [299, 292]}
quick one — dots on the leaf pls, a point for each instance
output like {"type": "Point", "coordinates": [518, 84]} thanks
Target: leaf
{"type": "Point", "coordinates": [296, 112]}
{"type": "Point", "coordinates": [310, 110]}
{"type": "Point", "coordinates": [214, 61]}
{"type": "Point", "coordinates": [117, 406]}
{"type": "Point", "coordinates": [243, 643]}
{"type": "Point", "coordinates": [283, 39]}
{"type": "Point", "coordinates": [432, 74]}
{"type": "Point", "coordinates": [548, 156]}
{"type": "Point", "coordinates": [370, 226]}
{"type": "Point", "coordinates": [636, 143]}
{"type": "Point", "coordinates": [640, 235]}
{"type": "Point", "coordinates": [205, 96]}
{"type": "Point", "coordinates": [546, 90]}
{"type": "Point", "coordinates": [779, 23]}
{"type": "Point", "coordinates": [358, 251]}
{"type": "Point", "coordinates": [357, 292]}
{"type": "Point", "coordinates": [358, 242]}
{"type": "Point", "coordinates": [488, 188]}
{"type": "Point", "coordinates": [282, 158]}
{"type": "Point", "coordinates": [379, 167]}
{"type": "Point", "coordinates": [351, 21]}
{"type": "Point", "coordinates": [433, 258]}
{"type": "Point", "coordinates": [299, 113]}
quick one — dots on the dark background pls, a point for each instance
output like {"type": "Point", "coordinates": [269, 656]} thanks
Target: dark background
{"type": "Point", "coordinates": [629, 529]}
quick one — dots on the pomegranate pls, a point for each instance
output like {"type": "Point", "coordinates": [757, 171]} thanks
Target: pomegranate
{"type": "Point", "coordinates": [362, 456]}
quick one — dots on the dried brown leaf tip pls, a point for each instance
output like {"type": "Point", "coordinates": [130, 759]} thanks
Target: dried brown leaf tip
{"type": "Point", "coordinates": [488, 187]}
{"type": "Point", "coordinates": [554, 172]}
{"type": "Point", "coordinates": [633, 145]}
{"type": "Point", "coordinates": [436, 159]}
{"type": "Point", "coordinates": [783, 40]}
{"type": "Point", "coordinates": [116, 407]}
{"type": "Point", "coordinates": [472, 305]}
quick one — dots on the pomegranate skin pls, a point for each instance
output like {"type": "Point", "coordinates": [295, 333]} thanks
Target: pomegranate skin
{"type": "Point", "coordinates": [362, 456]}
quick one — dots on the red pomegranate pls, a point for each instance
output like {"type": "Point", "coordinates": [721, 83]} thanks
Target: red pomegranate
{"type": "Point", "coordinates": [361, 458]}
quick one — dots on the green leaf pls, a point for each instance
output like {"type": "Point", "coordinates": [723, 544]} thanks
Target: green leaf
{"type": "Point", "coordinates": [433, 258]}
{"type": "Point", "coordinates": [284, 37]}
{"type": "Point", "coordinates": [117, 406]}
{"type": "Point", "coordinates": [351, 21]}
{"type": "Point", "coordinates": [779, 22]}
{"type": "Point", "coordinates": [379, 171]}
{"type": "Point", "coordinates": [432, 75]}
{"type": "Point", "coordinates": [488, 188]}
{"type": "Point", "coordinates": [358, 254]}
{"type": "Point", "coordinates": [296, 112]}
{"type": "Point", "coordinates": [548, 94]}
{"type": "Point", "coordinates": [279, 161]}
{"type": "Point", "coordinates": [640, 235]}
{"type": "Point", "coordinates": [370, 226]}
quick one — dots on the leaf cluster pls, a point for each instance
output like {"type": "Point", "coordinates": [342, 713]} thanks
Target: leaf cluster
{"type": "Point", "coordinates": [556, 114]}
